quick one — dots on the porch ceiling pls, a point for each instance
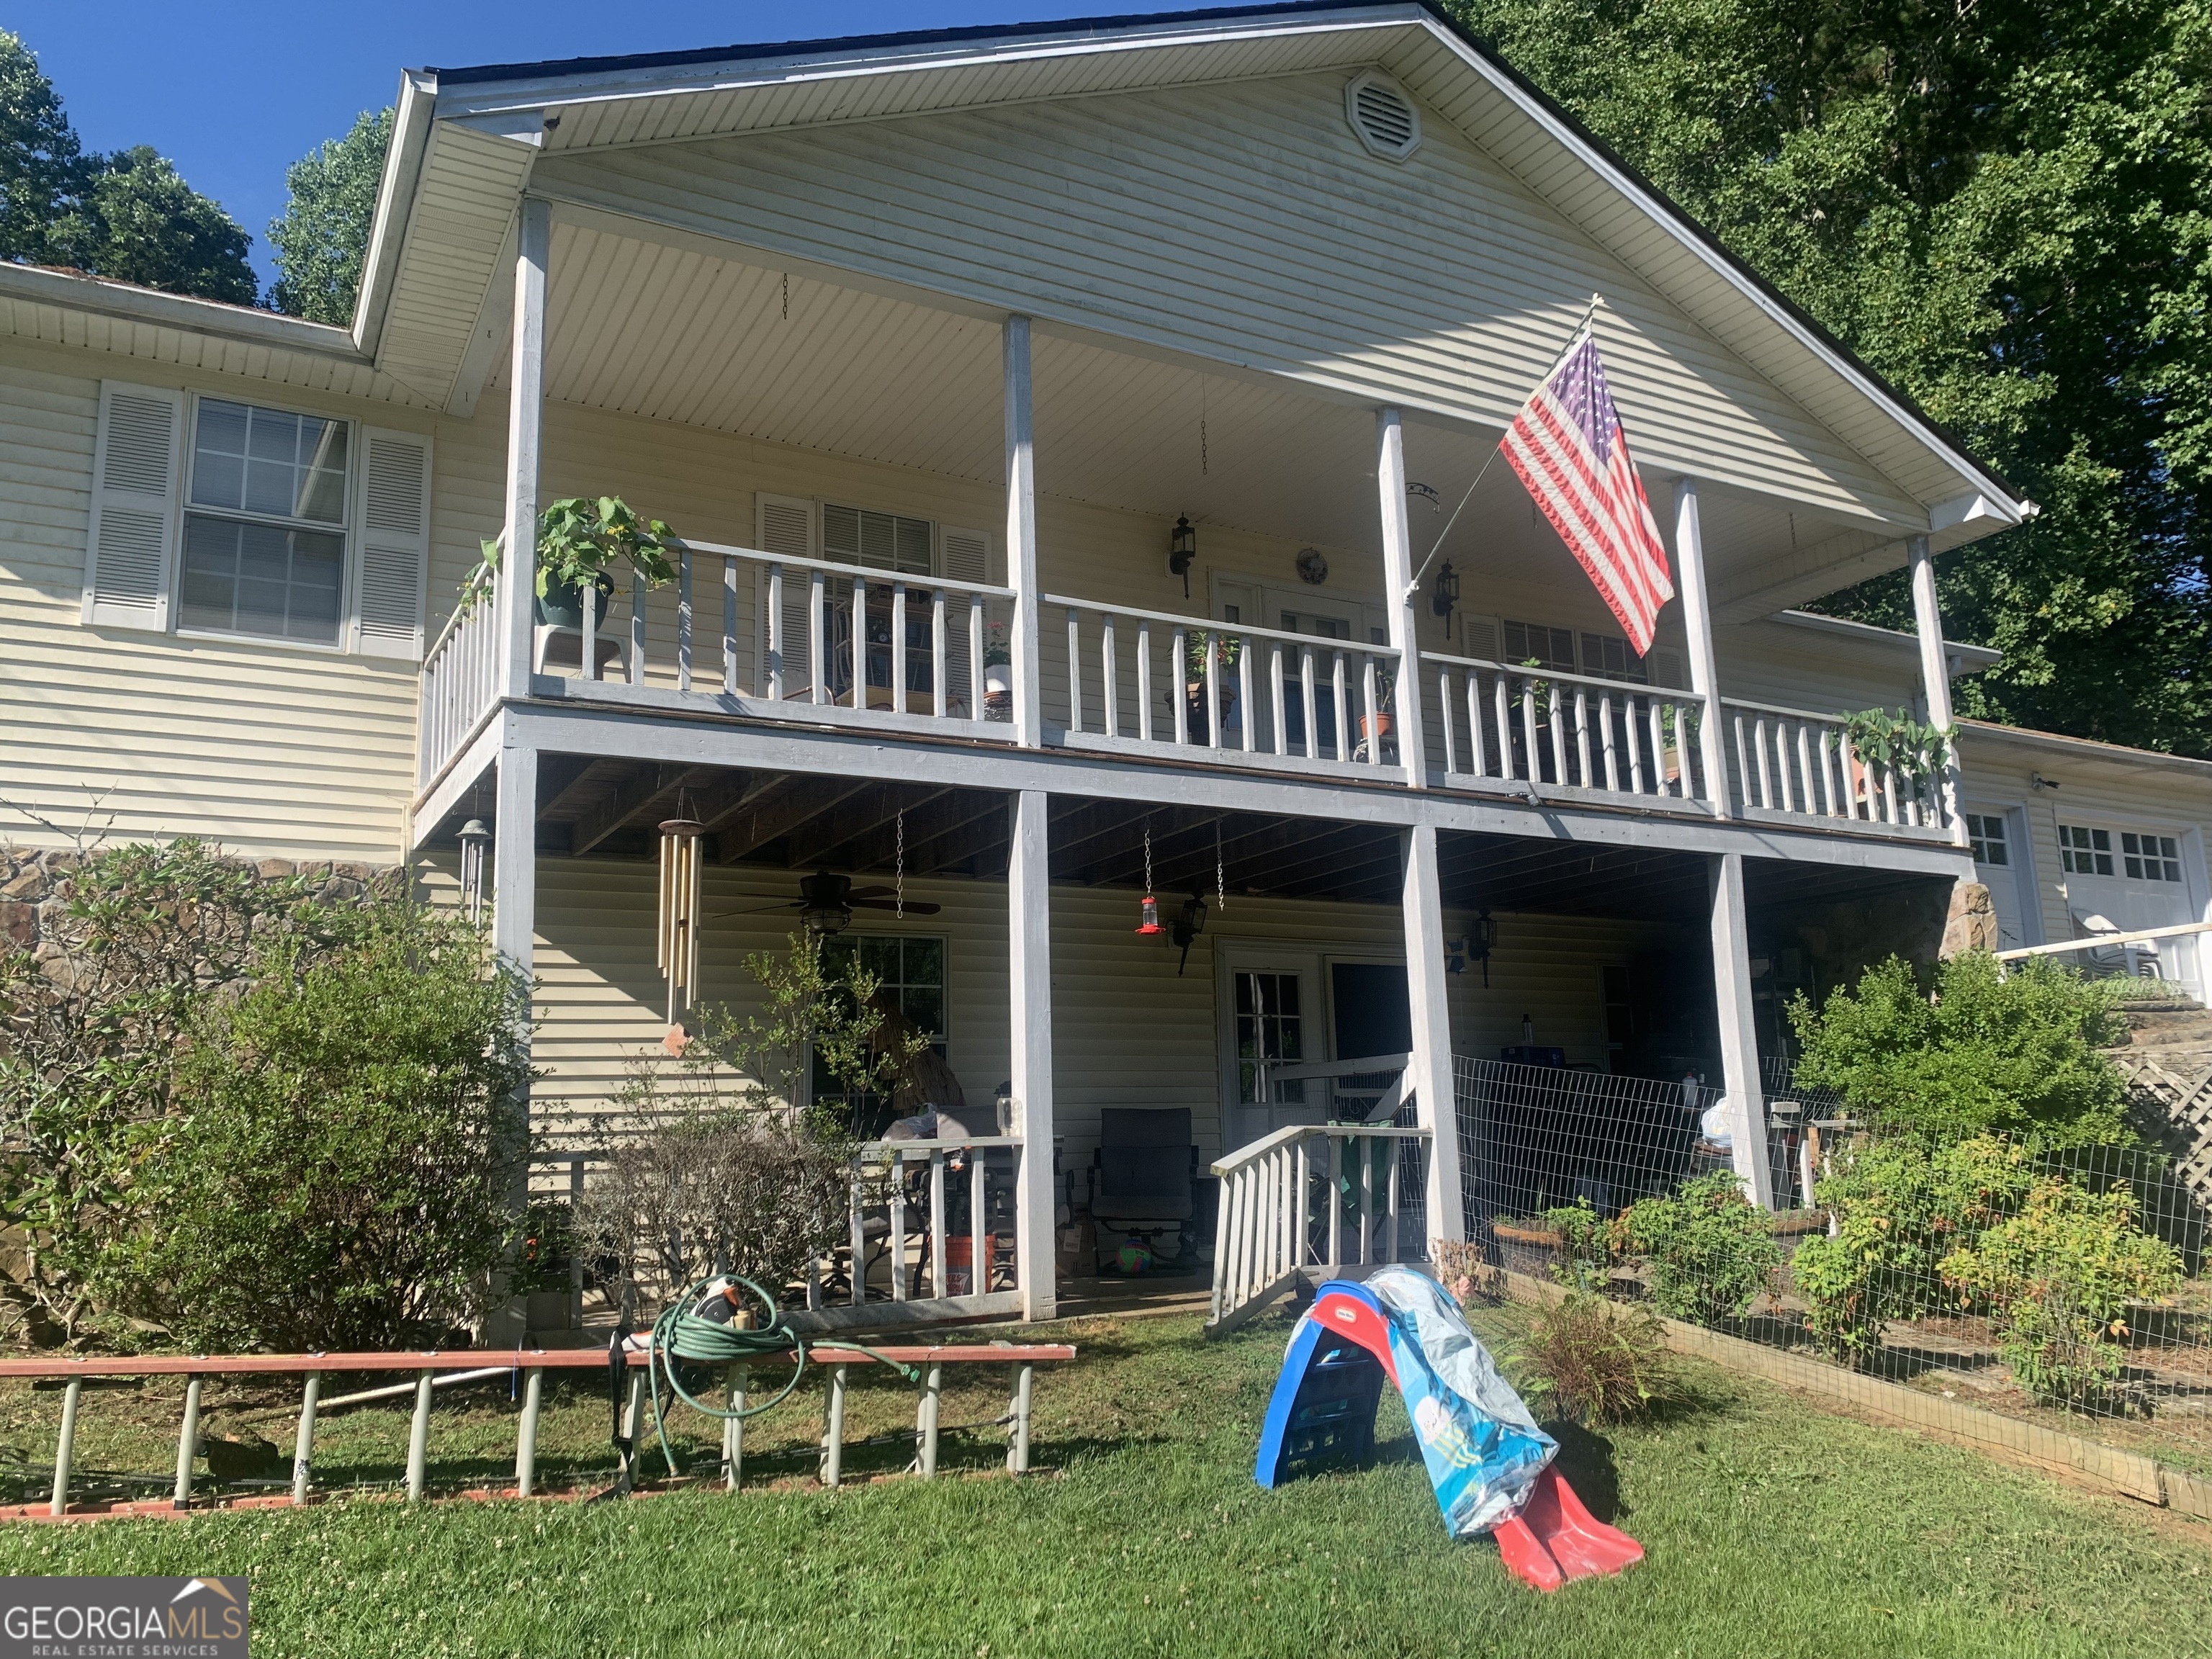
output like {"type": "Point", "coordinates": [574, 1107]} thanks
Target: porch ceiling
{"type": "Point", "coordinates": [799, 823]}
{"type": "Point", "coordinates": [669, 333]}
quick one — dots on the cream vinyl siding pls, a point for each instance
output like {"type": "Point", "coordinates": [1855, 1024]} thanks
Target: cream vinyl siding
{"type": "Point", "coordinates": [1245, 222]}
{"type": "Point", "coordinates": [1127, 1031]}
{"type": "Point", "coordinates": [265, 748]}
{"type": "Point", "coordinates": [1800, 668]}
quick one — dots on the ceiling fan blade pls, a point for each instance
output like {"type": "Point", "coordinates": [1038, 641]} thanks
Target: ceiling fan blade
{"type": "Point", "coordinates": [872, 893]}
{"type": "Point", "coordinates": [914, 906]}
{"type": "Point", "coordinates": [756, 910]}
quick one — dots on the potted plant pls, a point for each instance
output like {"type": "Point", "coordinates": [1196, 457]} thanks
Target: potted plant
{"type": "Point", "coordinates": [1376, 728]}
{"type": "Point", "coordinates": [578, 544]}
{"type": "Point", "coordinates": [998, 673]}
{"type": "Point", "coordinates": [1227, 648]}
{"type": "Point", "coordinates": [1878, 741]}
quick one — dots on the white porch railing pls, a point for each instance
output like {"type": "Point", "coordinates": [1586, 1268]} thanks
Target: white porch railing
{"type": "Point", "coordinates": [782, 631]}
{"type": "Point", "coordinates": [1271, 1235]}
{"type": "Point", "coordinates": [906, 1197]}
{"type": "Point", "coordinates": [1544, 726]}
{"type": "Point", "coordinates": [1215, 691]}
{"type": "Point", "coordinates": [459, 682]}
{"type": "Point", "coordinates": [1799, 762]}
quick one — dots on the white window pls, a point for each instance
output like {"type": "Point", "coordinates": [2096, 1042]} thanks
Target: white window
{"type": "Point", "coordinates": [1549, 647]}
{"type": "Point", "coordinates": [216, 516]}
{"type": "Point", "coordinates": [881, 541]}
{"type": "Point", "coordinates": [2085, 852]}
{"type": "Point", "coordinates": [2149, 858]}
{"type": "Point", "coordinates": [1987, 832]}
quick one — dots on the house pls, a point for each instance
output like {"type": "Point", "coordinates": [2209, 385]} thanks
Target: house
{"type": "Point", "coordinates": [1122, 389]}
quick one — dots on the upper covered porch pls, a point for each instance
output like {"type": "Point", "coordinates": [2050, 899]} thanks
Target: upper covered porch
{"type": "Point", "coordinates": [929, 372]}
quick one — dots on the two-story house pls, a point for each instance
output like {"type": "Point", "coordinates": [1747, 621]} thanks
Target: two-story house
{"type": "Point", "coordinates": [1069, 427]}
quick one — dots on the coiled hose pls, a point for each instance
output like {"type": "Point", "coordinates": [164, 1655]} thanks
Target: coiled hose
{"type": "Point", "coordinates": [681, 1338]}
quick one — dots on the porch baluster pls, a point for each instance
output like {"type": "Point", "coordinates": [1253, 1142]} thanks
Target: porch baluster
{"type": "Point", "coordinates": [1109, 681]}
{"type": "Point", "coordinates": [1659, 748]}
{"type": "Point", "coordinates": [898, 1227]}
{"type": "Point", "coordinates": [1805, 765]}
{"type": "Point", "coordinates": [1759, 750]}
{"type": "Point", "coordinates": [1581, 737]}
{"type": "Point", "coordinates": [1528, 731]}
{"type": "Point", "coordinates": [774, 684]}
{"type": "Point", "coordinates": [1249, 717]}
{"type": "Point", "coordinates": [975, 710]}
{"type": "Point", "coordinates": [858, 1240]}
{"type": "Point", "coordinates": [636, 629]}
{"type": "Point", "coordinates": [1074, 671]}
{"type": "Point", "coordinates": [898, 647]}
{"type": "Point", "coordinates": [1276, 701]}
{"type": "Point", "coordinates": [729, 626]}
{"type": "Point", "coordinates": [1743, 761]}
{"type": "Point", "coordinates": [1343, 710]}
{"type": "Point", "coordinates": [1370, 729]}
{"type": "Point", "coordinates": [818, 662]}
{"type": "Point", "coordinates": [1306, 701]}
{"type": "Point", "coordinates": [1551, 712]}
{"type": "Point", "coordinates": [1476, 757]}
{"type": "Point", "coordinates": [587, 655]}
{"type": "Point", "coordinates": [940, 666]}
{"type": "Point", "coordinates": [1501, 704]}
{"type": "Point", "coordinates": [1213, 689]}
{"type": "Point", "coordinates": [1631, 722]}
{"type": "Point", "coordinates": [858, 642]}
{"type": "Point", "coordinates": [1144, 680]}
{"type": "Point", "coordinates": [1444, 719]}
{"type": "Point", "coordinates": [937, 1252]}
{"type": "Point", "coordinates": [1605, 742]}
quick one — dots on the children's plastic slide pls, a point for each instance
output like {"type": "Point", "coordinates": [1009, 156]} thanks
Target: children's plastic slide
{"type": "Point", "coordinates": [1490, 1465]}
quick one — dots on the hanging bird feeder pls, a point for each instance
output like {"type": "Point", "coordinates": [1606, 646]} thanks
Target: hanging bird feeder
{"type": "Point", "coordinates": [1148, 917]}
{"type": "Point", "coordinates": [682, 844]}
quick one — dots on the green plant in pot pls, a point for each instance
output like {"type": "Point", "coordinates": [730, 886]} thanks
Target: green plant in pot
{"type": "Point", "coordinates": [1883, 742]}
{"type": "Point", "coordinates": [581, 543]}
{"type": "Point", "coordinates": [1227, 649]}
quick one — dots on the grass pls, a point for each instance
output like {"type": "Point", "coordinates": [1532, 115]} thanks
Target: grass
{"type": "Point", "coordinates": [1771, 1529]}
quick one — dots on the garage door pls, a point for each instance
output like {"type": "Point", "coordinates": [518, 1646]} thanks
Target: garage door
{"type": "Point", "coordinates": [2131, 877]}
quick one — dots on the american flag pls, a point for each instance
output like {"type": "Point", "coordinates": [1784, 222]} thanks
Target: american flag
{"type": "Point", "coordinates": [1568, 445]}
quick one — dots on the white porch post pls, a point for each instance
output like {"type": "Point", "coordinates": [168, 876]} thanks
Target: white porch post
{"type": "Point", "coordinates": [1398, 583]}
{"type": "Point", "coordinates": [525, 430]}
{"type": "Point", "coordinates": [1028, 1013]}
{"type": "Point", "coordinates": [1021, 538]}
{"type": "Point", "coordinates": [1698, 625]}
{"type": "Point", "coordinates": [1739, 1033]}
{"type": "Point", "coordinates": [1429, 1072]}
{"type": "Point", "coordinates": [1935, 674]}
{"type": "Point", "coordinates": [513, 927]}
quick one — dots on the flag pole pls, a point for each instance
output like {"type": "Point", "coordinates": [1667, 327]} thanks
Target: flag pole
{"type": "Point", "coordinates": [1582, 324]}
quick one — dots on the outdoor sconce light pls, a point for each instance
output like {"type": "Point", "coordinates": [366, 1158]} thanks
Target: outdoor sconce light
{"type": "Point", "coordinates": [1480, 941]}
{"type": "Point", "coordinates": [1446, 593]}
{"type": "Point", "coordinates": [1182, 551]}
{"type": "Point", "coordinates": [1188, 926]}
{"type": "Point", "coordinates": [475, 836]}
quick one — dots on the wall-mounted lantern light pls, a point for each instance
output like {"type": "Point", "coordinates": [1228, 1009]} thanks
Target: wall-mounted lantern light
{"type": "Point", "coordinates": [1182, 551]}
{"type": "Point", "coordinates": [1188, 926]}
{"type": "Point", "coordinates": [1480, 942]}
{"type": "Point", "coordinates": [1444, 593]}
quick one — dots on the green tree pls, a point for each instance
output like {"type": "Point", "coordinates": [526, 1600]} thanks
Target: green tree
{"type": "Point", "coordinates": [137, 221]}
{"type": "Point", "coordinates": [41, 164]}
{"type": "Point", "coordinates": [2002, 208]}
{"type": "Point", "coordinates": [322, 237]}
{"type": "Point", "coordinates": [1984, 1053]}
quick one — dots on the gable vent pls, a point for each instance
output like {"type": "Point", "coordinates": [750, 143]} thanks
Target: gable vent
{"type": "Point", "coordinates": [1382, 116]}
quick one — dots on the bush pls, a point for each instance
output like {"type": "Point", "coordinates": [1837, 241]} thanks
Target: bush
{"type": "Point", "coordinates": [2057, 1279]}
{"type": "Point", "coordinates": [1985, 1052]}
{"type": "Point", "coordinates": [345, 1139]}
{"type": "Point", "coordinates": [1585, 1249]}
{"type": "Point", "coordinates": [1594, 1363]}
{"type": "Point", "coordinates": [1710, 1250]}
{"type": "Point", "coordinates": [1901, 1204]}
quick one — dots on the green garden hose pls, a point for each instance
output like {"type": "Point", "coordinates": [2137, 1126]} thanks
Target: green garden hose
{"type": "Point", "coordinates": [681, 1338]}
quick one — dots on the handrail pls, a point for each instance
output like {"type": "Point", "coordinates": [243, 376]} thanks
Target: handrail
{"type": "Point", "coordinates": [1319, 1068]}
{"type": "Point", "coordinates": [1207, 624]}
{"type": "Point", "coordinates": [833, 567]}
{"type": "Point", "coordinates": [1786, 713]}
{"type": "Point", "coordinates": [1564, 676]}
{"type": "Point", "coordinates": [2101, 940]}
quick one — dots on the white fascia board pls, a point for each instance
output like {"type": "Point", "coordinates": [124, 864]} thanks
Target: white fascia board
{"type": "Point", "coordinates": [1964, 658]}
{"type": "Point", "coordinates": [1678, 227]}
{"type": "Point", "coordinates": [2182, 767]}
{"type": "Point", "coordinates": [395, 196]}
{"type": "Point", "coordinates": [75, 291]}
{"type": "Point", "coordinates": [572, 91]}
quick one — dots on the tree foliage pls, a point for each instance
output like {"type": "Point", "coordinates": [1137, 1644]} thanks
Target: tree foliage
{"type": "Point", "coordinates": [127, 215]}
{"type": "Point", "coordinates": [2006, 208]}
{"type": "Point", "coordinates": [1985, 1052]}
{"type": "Point", "coordinates": [321, 240]}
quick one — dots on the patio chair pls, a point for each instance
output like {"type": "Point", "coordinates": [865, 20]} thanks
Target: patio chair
{"type": "Point", "coordinates": [1143, 1174]}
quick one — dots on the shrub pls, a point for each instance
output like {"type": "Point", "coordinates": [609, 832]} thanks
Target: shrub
{"type": "Point", "coordinates": [1709, 1248]}
{"type": "Point", "coordinates": [1594, 1362]}
{"type": "Point", "coordinates": [1985, 1052]}
{"type": "Point", "coordinates": [2057, 1279]}
{"type": "Point", "coordinates": [1585, 1249]}
{"type": "Point", "coordinates": [346, 1139]}
{"type": "Point", "coordinates": [1901, 1204]}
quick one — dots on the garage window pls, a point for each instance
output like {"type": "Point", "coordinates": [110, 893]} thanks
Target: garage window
{"type": "Point", "coordinates": [2085, 852]}
{"type": "Point", "coordinates": [1987, 834]}
{"type": "Point", "coordinates": [2150, 858]}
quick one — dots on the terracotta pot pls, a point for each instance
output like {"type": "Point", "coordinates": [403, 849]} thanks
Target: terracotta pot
{"type": "Point", "coordinates": [1525, 1249]}
{"type": "Point", "coordinates": [1375, 727]}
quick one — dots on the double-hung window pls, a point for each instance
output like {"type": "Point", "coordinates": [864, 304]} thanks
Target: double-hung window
{"type": "Point", "coordinates": [264, 541]}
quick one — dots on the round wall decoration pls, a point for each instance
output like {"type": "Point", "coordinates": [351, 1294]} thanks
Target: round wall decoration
{"type": "Point", "coordinates": [1312, 566]}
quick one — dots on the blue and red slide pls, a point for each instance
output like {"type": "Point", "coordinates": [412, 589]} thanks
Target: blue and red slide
{"type": "Point", "coordinates": [1490, 1465]}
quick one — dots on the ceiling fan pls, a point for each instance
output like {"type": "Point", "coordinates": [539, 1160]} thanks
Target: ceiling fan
{"type": "Point", "coordinates": [827, 900]}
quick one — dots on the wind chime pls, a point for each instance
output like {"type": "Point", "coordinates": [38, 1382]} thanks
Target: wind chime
{"type": "Point", "coordinates": [1148, 923]}
{"type": "Point", "coordinates": [682, 843]}
{"type": "Point", "coordinates": [476, 835]}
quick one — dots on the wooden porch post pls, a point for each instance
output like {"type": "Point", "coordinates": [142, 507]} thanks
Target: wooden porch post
{"type": "Point", "coordinates": [1739, 1033]}
{"type": "Point", "coordinates": [514, 925]}
{"type": "Point", "coordinates": [525, 423]}
{"type": "Point", "coordinates": [1021, 537]}
{"type": "Point", "coordinates": [1935, 674]}
{"type": "Point", "coordinates": [1029, 1013]}
{"type": "Point", "coordinates": [1429, 1071]}
{"type": "Point", "coordinates": [1698, 623]}
{"type": "Point", "coordinates": [1398, 583]}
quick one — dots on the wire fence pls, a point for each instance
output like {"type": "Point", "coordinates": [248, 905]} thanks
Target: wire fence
{"type": "Point", "coordinates": [2041, 1281]}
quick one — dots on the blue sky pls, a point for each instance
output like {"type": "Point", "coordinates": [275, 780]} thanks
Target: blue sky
{"type": "Point", "coordinates": [235, 94]}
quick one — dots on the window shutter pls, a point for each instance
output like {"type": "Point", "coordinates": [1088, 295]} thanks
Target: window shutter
{"type": "Point", "coordinates": [1666, 665]}
{"type": "Point", "coordinates": [135, 462]}
{"type": "Point", "coordinates": [785, 525]}
{"type": "Point", "coordinates": [395, 542]}
{"type": "Point", "coordinates": [1482, 637]}
{"type": "Point", "coordinates": [967, 555]}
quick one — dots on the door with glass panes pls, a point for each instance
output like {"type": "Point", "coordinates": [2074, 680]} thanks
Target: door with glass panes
{"type": "Point", "coordinates": [1272, 1020]}
{"type": "Point", "coordinates": [1326, 621]}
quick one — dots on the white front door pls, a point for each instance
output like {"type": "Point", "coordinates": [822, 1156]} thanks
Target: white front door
{"type": "Point", "coordinates": [2000, 856]}
{"type": "Point", "coordinates": [1271, 1018]}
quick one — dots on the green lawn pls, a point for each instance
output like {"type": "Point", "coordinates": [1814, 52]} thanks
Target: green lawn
{"type": "Point", "coordinates": [1771, 1528]}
